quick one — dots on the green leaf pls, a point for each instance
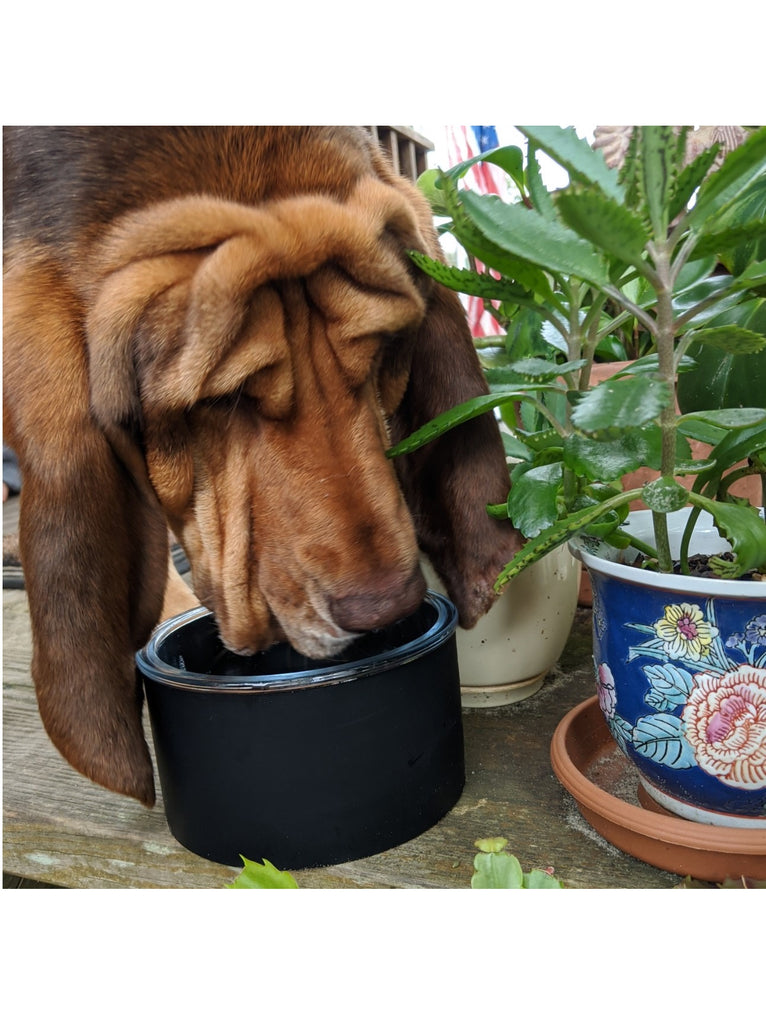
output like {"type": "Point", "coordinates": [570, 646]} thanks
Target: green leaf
{"type": "Point", "coordinates": [727, 381]}
{"type": "Point", "coordinates": [612, 459]}
{"type": "Point", "coordinates": [604, 222]}
{"type": "Point", "coordinates": [576, 156]}
{"type": "Point", "coordinates": [494, 868]}
{"type": "Point", "coordinates": [262, 876]}
{"type": "Point", "coordinates": [428, 183]}
{"type": "Point", "coordinates": [740, 168]}
{"type": "Point", "coordinates": [726, 239]}
{"type": "Point", "coordinates": [509, 158]}
{"type": "Point", "coordinates": [491, 251]}
{"type": "Point", "coordinates": [737, 445]}
{"type": "Point", "coordinates": [541, 198]}
{"type": "Point", "coordinates": [525, 234]}
{"type": "Point", "coordinates": [532, 502]}
{"type": "Point", "coordinates": [467, 281]}
{"type": "Point", "coordinates": [658, 163]}
{"type": "Point", "coordinates": [690, 178]}
{"type": "Point", "coordinates": [558, 534]}
{"type": "Point", "coordinates": [752, 276]}
{"type": "Point", "coordinates": [728, 419]}
{"type": "Point", "coordinates": [452, 418]}
{"type": "Point", "coordinates": [665, 495]}
{"type": "Point", "coordinates": [536, 879]}
{"type": "Point", "coordinates": [497, 871]}
{"type": "Point", "coordinates": [749, 209]}
{"type": "Point", "coordinates": [732, 339]}
{"type": "Point", "coordinates": [541, 370]}
{"type": "Point", "coordinates": [743, 527]}
{"type": "Point", "coordinates": [620, 403]}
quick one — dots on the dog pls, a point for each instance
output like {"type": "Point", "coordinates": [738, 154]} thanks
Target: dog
{"type": "Point", "coordinates": [218, 331]}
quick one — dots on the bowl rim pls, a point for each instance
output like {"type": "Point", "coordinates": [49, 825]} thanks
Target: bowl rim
{"type": "Point", "coordinates": [152, 666]}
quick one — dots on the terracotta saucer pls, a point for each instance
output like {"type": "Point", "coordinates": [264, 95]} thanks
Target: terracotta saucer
{"type": "Point", "coordinates": [582, 750]}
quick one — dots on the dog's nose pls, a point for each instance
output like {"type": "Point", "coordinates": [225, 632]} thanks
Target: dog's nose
{"type": "Point", "coordinates": [378, 602]}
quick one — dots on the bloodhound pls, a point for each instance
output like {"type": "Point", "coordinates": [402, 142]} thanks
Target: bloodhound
{"type": "Point", "coordinates": [218, 330]}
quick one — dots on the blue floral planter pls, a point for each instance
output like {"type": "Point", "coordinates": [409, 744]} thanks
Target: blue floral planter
{"type": "Point", "coordinates": [681, 679]}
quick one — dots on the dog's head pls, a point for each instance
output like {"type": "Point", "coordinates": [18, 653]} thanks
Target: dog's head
{"type": "Point", "coordinates": [246, 369]}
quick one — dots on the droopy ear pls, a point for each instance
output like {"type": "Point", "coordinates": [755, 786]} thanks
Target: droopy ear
{"type": "Point", "coordinates": [449, 482]}
{"type": "Point", "coordinates": [93, 538]}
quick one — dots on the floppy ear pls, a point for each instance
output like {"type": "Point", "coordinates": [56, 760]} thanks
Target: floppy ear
{"type": "Point", "coordinates": [93, 538]}
{"type": "Point", "coordinates": [449, 482]}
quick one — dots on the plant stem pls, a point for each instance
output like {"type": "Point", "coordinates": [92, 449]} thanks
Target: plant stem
{"type": "Point", "coordinates": [665, 338]}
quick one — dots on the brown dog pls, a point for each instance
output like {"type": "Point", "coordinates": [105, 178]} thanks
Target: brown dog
{"type": "Point", "coordinates": [219, 329]}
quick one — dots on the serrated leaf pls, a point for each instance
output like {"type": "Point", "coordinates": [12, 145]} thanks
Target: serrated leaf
{"type": "Point", "coordinates": [549, 540]}
{"type": "Point", "coordinates": [732, 339]}
{"type": "Point", "coordinates": [617, 404]}
{"type": "Point", "coordinates": [658, 163]}
{"type": "Point", "coordinates": [541, 198]}
{"type": "Point", "coordinates": [488, 251]}
{"type": "Point", "coordinates": [607, 224]}
{"type": "Point", "coordinates": [467, 281]}
{"type": "Point", "coordinates": [262, 876]}
{"type": "Point", "coordinates": [525, 234]}
{"type": "Point", "coordinates": [576, 156]}
{"type": "Point", "coordinates": [611, 460]}
{"type": "Point", "coordinates": [452, 418]}
{"type": "Point", "coordinates": [541, 370]}
{"type": "Point", "coordinates": [661, 738]}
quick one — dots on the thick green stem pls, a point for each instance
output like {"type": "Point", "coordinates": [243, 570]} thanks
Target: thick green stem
{"type": "Point", "coordinates": [569, 484]}
{"type": "Point", "coordinates": [665, 338]}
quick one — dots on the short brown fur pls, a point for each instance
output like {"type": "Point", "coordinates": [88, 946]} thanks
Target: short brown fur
{"type": "Point", "coordinates": [219, 330]}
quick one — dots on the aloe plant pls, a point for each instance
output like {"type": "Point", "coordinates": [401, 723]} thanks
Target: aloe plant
{"type": "Point", "coordinates": [678, 250]}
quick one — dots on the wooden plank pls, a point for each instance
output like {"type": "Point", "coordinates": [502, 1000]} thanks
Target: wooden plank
{"type": "Point", "coordinates": [60, 829]}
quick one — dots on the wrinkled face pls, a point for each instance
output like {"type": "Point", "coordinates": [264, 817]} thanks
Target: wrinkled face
{"type": "Point", "coordinates": [276, 480]}
{"type": "Point", "coordinates": [256, 351]}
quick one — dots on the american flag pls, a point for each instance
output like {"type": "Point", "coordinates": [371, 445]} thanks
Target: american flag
{"type": "Point", "coordinates": [464, 142]}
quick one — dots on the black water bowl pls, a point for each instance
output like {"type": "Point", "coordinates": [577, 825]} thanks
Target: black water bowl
{"type": "Point", "coordinates": [302, 762]}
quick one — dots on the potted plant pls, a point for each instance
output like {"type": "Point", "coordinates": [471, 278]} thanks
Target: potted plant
{"type": "Point", "coordinates": [678, 248]}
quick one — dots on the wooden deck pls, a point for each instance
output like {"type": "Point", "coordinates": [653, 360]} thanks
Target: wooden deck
{"type": "Point", "coordinates": [61, 830]}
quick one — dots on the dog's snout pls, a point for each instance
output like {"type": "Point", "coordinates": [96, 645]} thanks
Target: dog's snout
{"type": "Point", "coordinates": [378, 603]}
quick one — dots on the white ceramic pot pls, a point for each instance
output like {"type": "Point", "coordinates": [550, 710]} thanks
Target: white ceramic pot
{"type": "Point", "coordinates": [508, 653]}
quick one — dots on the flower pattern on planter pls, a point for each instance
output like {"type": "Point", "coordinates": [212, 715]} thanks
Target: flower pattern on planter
{"type": "Point", "coordinates": [708, 710]}
{"type": "Point", "coordinates": [685, 633]}
{"type": "Point", "coordinates": [607, 698]}
{"type": "Point", "coordinates": [725, 720]}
